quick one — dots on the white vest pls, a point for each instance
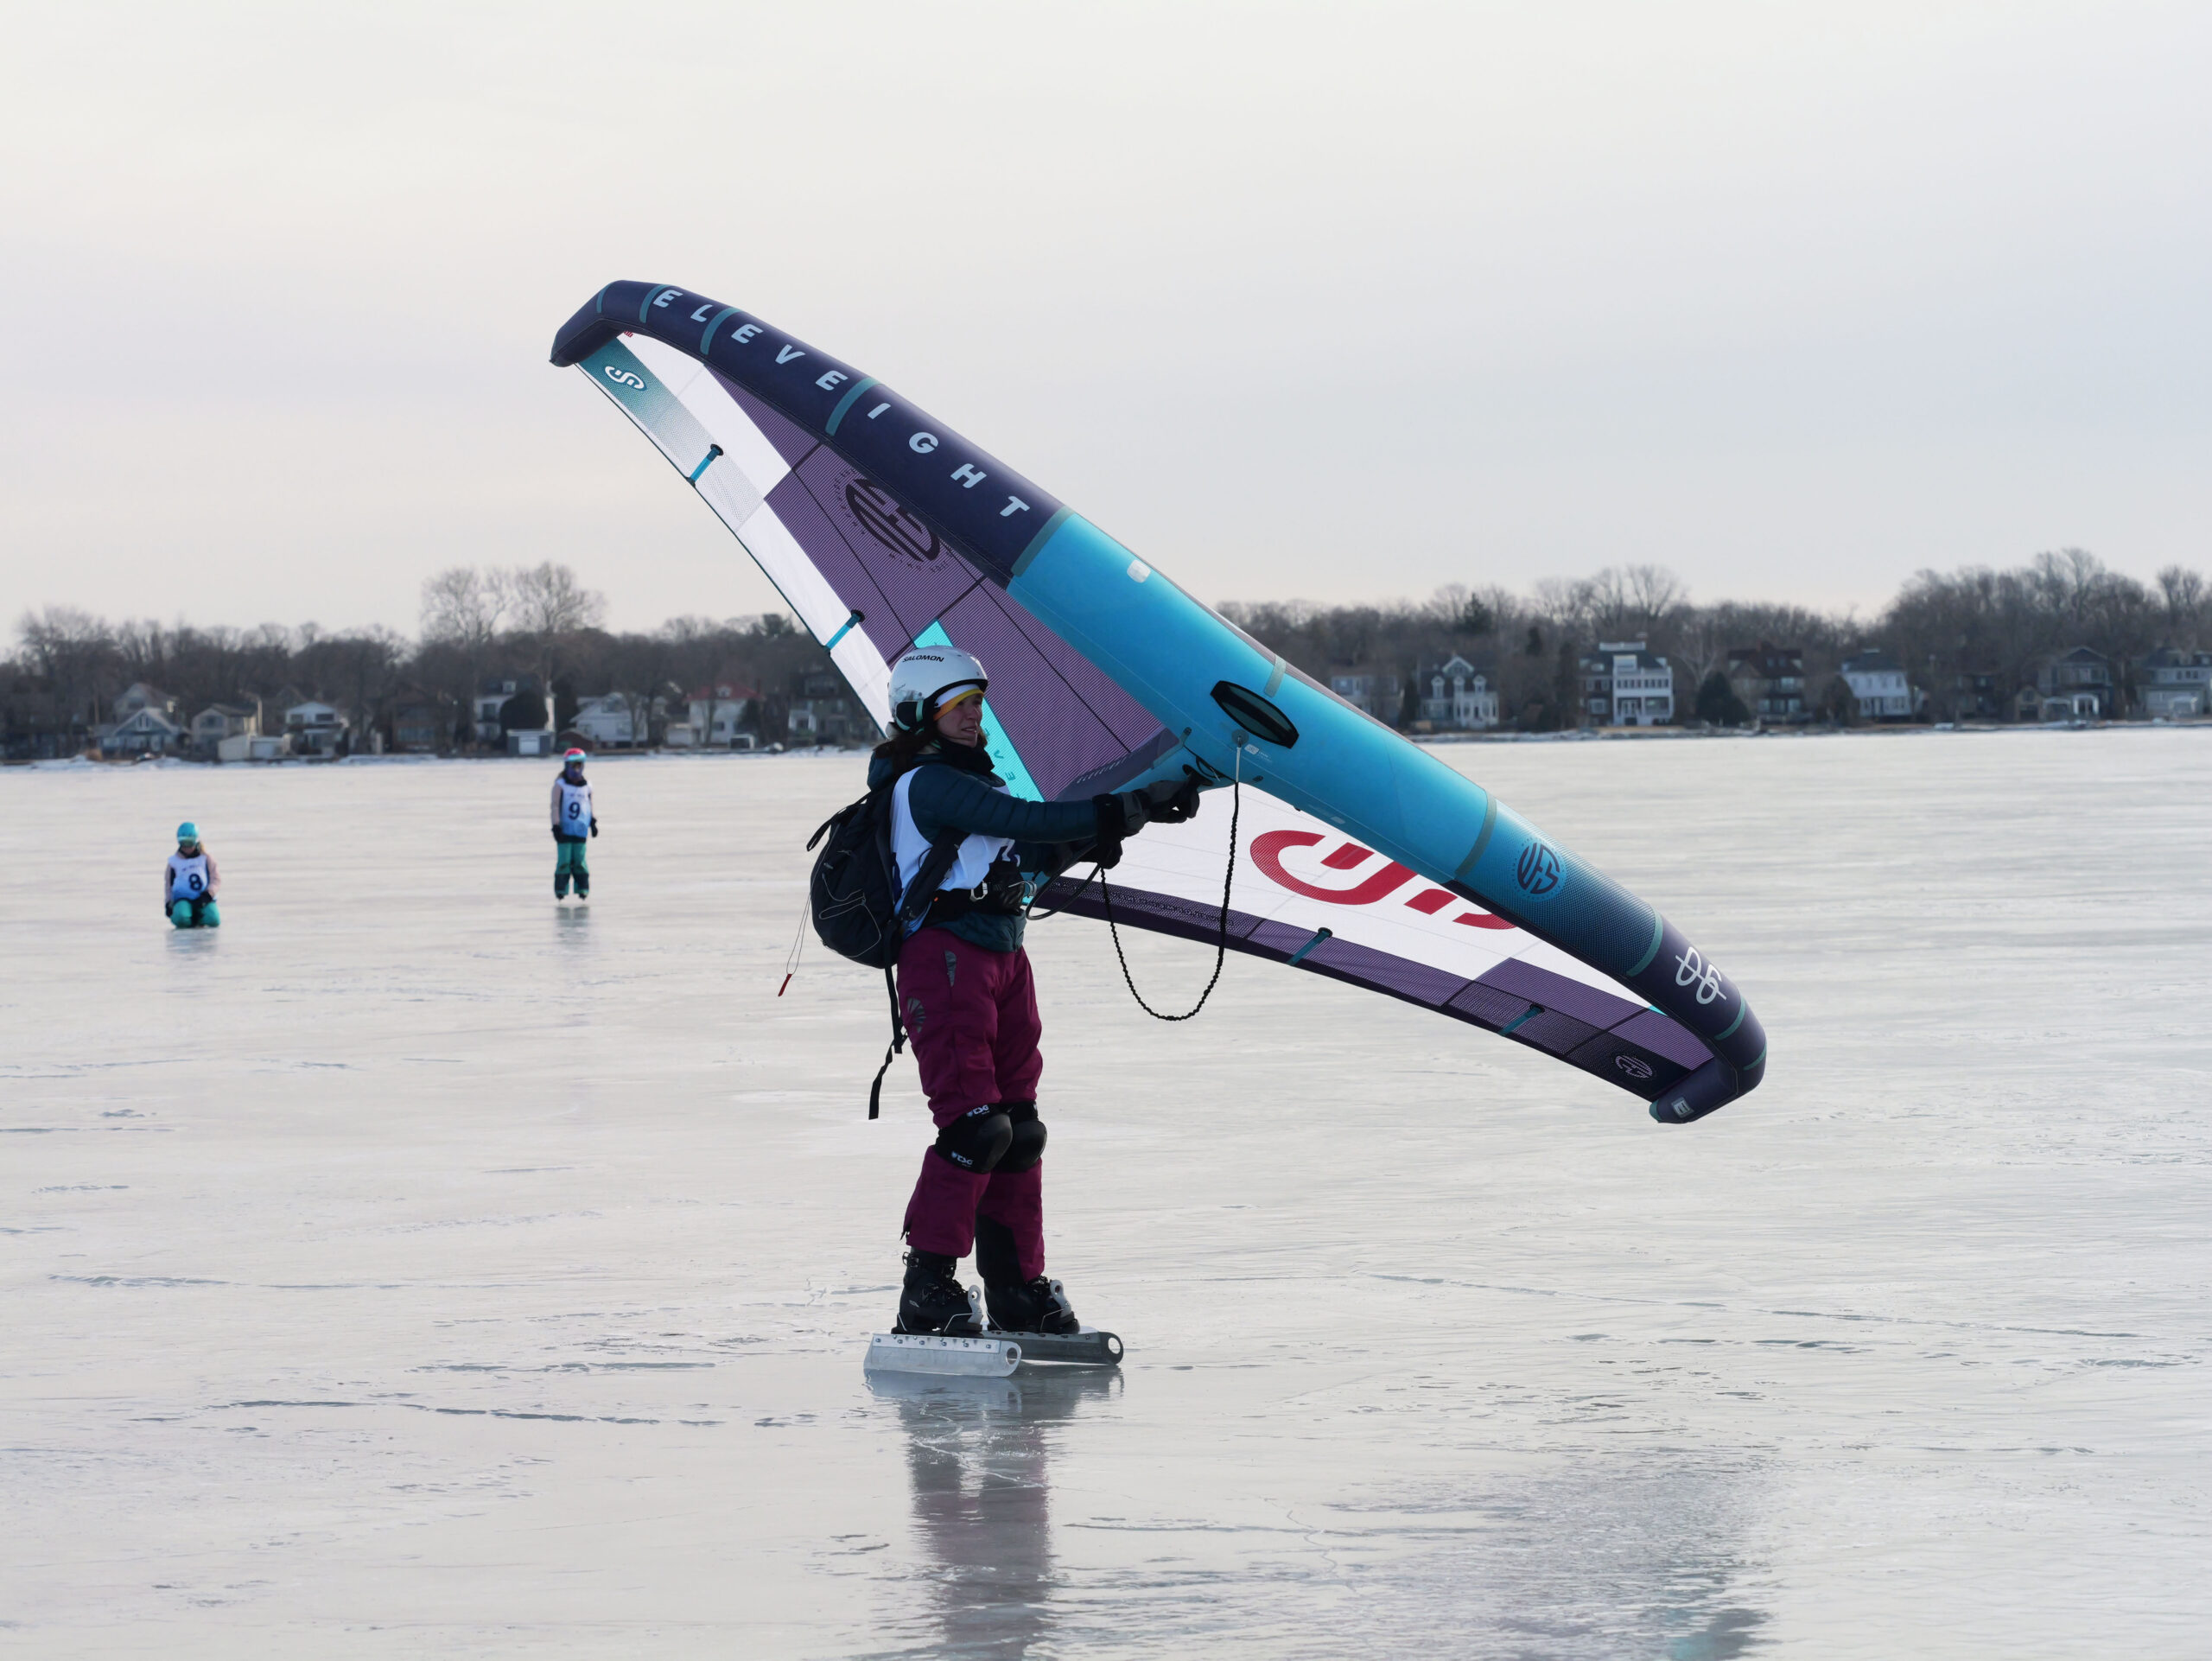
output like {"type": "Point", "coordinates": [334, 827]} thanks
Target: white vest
{"type": "Point", "coordinates": [188, 877]}
{"type": "Point", "coordinates": [575, 808]}
{"type": "Point", "coordinates": [977, 856]}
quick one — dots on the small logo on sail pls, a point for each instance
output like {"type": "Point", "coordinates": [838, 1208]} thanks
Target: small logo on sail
{"type": "Point", "coordinates": [889, 524]}
{"type": "Point", "coordinates": [1537, 870]}
{"type": "Point", "coordinates": [626, 377]}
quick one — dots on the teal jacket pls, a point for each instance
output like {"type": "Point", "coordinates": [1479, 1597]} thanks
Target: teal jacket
{"type": "Point", "coordinates": [955, 790]}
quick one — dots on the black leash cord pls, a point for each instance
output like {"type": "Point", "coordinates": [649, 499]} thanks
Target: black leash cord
{"type": "Point", "coordinates": [1221, 948]}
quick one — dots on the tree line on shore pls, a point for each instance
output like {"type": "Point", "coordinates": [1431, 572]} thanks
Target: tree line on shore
{"type": "Point", "coordinates": [538, 624]}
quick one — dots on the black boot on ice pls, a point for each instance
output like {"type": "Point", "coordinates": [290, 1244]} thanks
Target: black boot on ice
{"type": "Point", "coordinates": [932, 1300]}
{"type": "Point", "coordinates": [1017, 1305]}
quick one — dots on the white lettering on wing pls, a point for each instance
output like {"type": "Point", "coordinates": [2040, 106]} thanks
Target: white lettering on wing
{"type": "Point", "coordinates": [922, 443]}
{"type": "Point", "coordinates": [786, 354]}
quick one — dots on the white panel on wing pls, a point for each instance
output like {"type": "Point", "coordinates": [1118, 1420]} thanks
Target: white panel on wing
{"type": "Point", "coordinates": [777, 553]}
{"type": "Point", "coordinates": [745, 447]}
{"type": "Point", "coordinates": [1295, 869]}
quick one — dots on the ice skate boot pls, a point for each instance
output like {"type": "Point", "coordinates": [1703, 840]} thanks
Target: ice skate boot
{"type": "Point", "coordinates": [1035, 1305]}
{"type": "Point", "coordinates": [932, 1301]}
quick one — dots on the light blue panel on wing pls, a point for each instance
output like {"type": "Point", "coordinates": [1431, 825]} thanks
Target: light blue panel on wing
{"type": "Point", "coordinates": [1006, 761]}
{"type": "Point", "coordinates": [1168, 651]}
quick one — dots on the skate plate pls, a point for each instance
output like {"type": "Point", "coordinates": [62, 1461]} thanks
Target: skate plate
{"type": "Point", "coordinates": [1089, 1347]}
{"type": "Point", "coordinates": [973, 1358]}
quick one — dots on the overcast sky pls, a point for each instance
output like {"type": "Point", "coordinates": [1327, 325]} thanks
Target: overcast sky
{"type": "Point", "coordinates": [1328, 302]}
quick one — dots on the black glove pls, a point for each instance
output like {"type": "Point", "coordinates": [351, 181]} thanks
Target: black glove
{"type": "Point", "coordinates": [1172, 801]}
{"type": "Point", "coordinates": [1113, 825]}
{"type": "Point", "coordinates": [594, 827]}
{"type": "Point", "coordinates": [556, 833]}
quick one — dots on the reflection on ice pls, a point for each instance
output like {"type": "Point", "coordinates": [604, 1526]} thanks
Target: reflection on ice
{"type": "Point", "coordinates": [978, 1466]}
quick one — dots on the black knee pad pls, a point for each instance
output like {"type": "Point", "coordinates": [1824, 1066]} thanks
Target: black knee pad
{"type": "Point", "coordinates": [978, 1141]}
{"type": "Point", "coordinates": [1026, 1145]}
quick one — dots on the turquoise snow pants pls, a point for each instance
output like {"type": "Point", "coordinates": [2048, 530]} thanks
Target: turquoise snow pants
{"type": "Point", "coordinates": [194, 914]}
{"type": "Point", "coordinates": [571, 862]}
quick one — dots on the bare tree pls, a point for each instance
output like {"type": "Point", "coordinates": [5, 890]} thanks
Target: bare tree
{"type": "Point", "coordinates": [2188, 606]}
{"type": "Point", "coordinates": [462, 607]}
{"type": "Point", "coordinates": [547, 601]}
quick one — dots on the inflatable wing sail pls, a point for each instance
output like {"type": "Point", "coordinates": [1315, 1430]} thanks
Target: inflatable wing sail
{"type": "Point", "coordinates": [1367, 859]}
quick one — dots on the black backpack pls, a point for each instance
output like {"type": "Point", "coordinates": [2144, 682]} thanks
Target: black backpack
{"type": "Point", "coordinates": [859, 912]}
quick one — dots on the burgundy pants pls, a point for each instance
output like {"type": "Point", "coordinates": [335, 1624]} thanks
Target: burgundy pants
{"type": "Point", "coordinates": [971, 1016]}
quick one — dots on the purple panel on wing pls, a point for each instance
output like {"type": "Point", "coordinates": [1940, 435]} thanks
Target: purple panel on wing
{"type": "Point", "coordinates": [1125, 718]}
{"type": "Point", "coordinates": [810, 528]}
{"type": "Point", "coordinates": [1164, 913]}
{"type": "Point", "coordinates": [914, 570]}
{"type": "Point", "coordinates": [791, 442]}
{"type": "Point", "coordinates": [1557, 992]}
{"type": "Point", "coordinates": [1059, 739]}
{"type": "Point", "coordinates": [1273, 937]}
{"type": "Point", "coordinates": [1554, 1032]}
{"type": "Point", "coordinates": [1364, 966]}
{"type": "Point", "coordinates": [1662, 1036]}
{"type": "Point", "coordinates": [1487, 1006]}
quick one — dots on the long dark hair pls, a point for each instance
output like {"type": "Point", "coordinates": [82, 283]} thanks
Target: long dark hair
{"type": "Point", "coordinates": [903, 748]}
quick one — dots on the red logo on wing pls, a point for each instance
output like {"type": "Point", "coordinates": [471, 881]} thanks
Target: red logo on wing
{"type": "Point", "coordinates": [1269, 848]}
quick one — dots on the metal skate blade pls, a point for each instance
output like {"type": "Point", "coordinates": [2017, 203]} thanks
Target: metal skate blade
{"type": "Point", "coordinates": [973, 1358]}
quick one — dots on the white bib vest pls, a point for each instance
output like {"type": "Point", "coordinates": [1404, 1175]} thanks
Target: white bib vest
{"type": "Point", "coordinates": [188, 877]}
{"type": "Point", "coordinates": [976, 854]}
{"type": "Point", "coordinates": [575, 808]}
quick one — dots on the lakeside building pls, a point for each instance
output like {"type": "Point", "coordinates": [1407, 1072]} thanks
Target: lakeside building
{"type": "Point", "coordinates": [220, 721]}
{"type": "Point", "coordinates": [610, 720]}
{"type": "Point", "coordinates": [421, 721]}
{"type": "Point", "coordinates": [145, 731]}
{"type": "Point", "coordinates": [1455, 695]}
{"type": "Point", "coordinates": [725, 716]}
{"type": "Point", "coordinates": [1770, 681]}
{"type": "Point", "coordinates": [2177, 684]}
{"type": "Point", "coordinates": [824, 712]}
{"type": "Point", "coordinates": [316, 728]}
{"type": "Point", "coordinates": [1371, 691]}
{"type": "Point", "coordinates": [2077, 686]}
{"type": "Point", "coordinates": [1878, 685]}
{"type": "Point", "coordinates": [1625, 684]}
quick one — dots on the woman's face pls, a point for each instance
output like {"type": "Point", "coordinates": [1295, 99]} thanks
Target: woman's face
{"type": "Point", "coordinates": [962, 721]}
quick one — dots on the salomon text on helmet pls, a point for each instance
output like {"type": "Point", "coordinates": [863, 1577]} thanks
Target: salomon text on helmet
{"type": "Point", "coordinates": [926, 679]}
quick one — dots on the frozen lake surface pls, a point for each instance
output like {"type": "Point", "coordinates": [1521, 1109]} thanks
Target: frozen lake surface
{"type": "Point", "coordinates": [413, 1268]}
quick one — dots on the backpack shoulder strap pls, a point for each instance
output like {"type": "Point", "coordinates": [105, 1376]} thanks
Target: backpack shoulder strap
{"type": "Point", "coordinates": [898, 1043]}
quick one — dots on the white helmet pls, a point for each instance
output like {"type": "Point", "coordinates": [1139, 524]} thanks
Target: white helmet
{"type": "Point", "coordinates": [921, 679]}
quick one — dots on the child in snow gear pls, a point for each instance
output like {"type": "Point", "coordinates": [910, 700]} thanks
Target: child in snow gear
{"type": "Point", "coordinates": [969, 857]}
{"type": "Point", "coordinates": [573, 824]}
{"type": "Point", "coordinates": [190, 883]}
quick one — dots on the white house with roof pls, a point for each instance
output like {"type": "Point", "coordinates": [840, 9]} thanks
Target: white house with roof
{"type": "Point", "coordinates": [220, 721]}
{"type": "Point", "coordinates": [722, 715]}
{"type": "Point", "coordinates": [145, 731]}
{"type": "Point", "coordinates": [314, 728]}
{"type": "Point", "coordinates": [1457, 696]}
{"type": "Point", "coordinates": [609, 720]}
{"type": "Point", "coordinates": [1625, 684]}
{"type": "Point", "coordinates": [1879, 683]}
{"type": "Point", "coordinates": [2177, 684]}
